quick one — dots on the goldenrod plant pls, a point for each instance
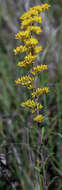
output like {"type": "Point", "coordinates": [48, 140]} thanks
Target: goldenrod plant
{"type": "Point", "coordinates": [29, 29]}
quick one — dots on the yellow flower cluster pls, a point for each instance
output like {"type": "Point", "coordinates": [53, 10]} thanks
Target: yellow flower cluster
{"type": "Point", "coordinates": [39, 68]}
{"type": "Point", "coordinates": [32, 105]}
{"type": "Point", "coordinates": [26, 81]}
{"type": "Point", "coordinates": [34, 11]}
{"type": "Point", "coordinates": [41, 8]}
{"type": "Point", "coordinates": [27, 61]}
{"type": "Point", "coordinates": [29, 14]}
{"type": "Point", "coordinates": [40, 91]}
{"type": "Point", "coordinates": [25, 34]}
{"type": "Point", "coordinates": [31, 42]}
{"type": "Point", "coordinates": [35, 29]}
{"type": "Point", "coordinates": [30, 58]}
{"type": "Point", "coordinates": [20, 49]}
{"type": "Point", "coordinates": [39, 118]}
{"type": "Point", "coordinates": [37, 49]}
{"type": "Point", "coordinates": [29, 45]}
{"type": "Point", "coordinates": [30, 21]}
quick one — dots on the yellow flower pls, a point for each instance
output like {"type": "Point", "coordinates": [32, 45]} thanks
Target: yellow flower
{"type": "Point", "coordinates": [26, 34]}
{"type": "Point", "coordinates": [37, 49]}
{"type": "Point", "coordinates": [41, 8]}
{"type": "Point", "coordinates": [31, 47]}
{"type": "Point", "coordinates": [21, 64]}
{"type": "Point", "coordinates": [35, 29]}
{"type": "Point", "coordinates": [30, 58]}
{"type": "Point", "coordinates": [32, 105]}
{"type": "Point", "coordinates": [25, 23]}
{"type": "Point", "coordinates": [39, 68]}
{"type": "Point", "coordinates": [34, 11]}
{"type": "Point", "coordinates": [22, 34]}
{"type": "Point", "coordinates": [37, 19]}
{"type": "Point", "coordinates": [29, 14]}
{"type": "Point", "coordinates": [19, 49]}
{"type": "Point", "coordinates": [40, 91]}
{"type": "Point", "coordinates": [39, 118]}
{"type": "Point", "coordinates": [27, 61]}
{"type": "Point", "coordinates": [26, 81]}
{"type": "Point", "coordinates": [31, 42]}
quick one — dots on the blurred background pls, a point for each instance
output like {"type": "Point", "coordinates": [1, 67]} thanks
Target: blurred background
{"type": "Point", "coordinates": [19, 143]}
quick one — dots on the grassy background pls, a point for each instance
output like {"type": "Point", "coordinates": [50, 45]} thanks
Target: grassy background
{"type": "Point", "coordinates": [19, 142]}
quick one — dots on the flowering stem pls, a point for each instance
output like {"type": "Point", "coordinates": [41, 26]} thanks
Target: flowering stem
{"type": "Point", "coordinates": [42, 159]}
{"type": "Point", "coordinates": [42, 151]}
{"type": "Point", "coordinates": [29, 45]}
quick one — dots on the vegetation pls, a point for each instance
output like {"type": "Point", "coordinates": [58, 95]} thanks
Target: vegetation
{"type": "Point", "coordinates": [20, 149]}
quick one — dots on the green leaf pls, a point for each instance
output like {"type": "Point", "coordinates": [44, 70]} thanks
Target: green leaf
{"type": "Point", "coordinates": [42, 131]}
